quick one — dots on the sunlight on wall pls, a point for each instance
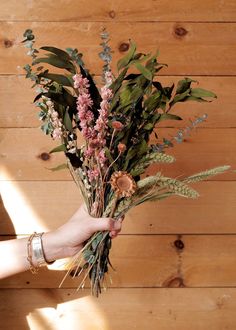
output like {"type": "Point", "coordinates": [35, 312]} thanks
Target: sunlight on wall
{"type": "Point", "coordinates": [82, 313]}
{"type": "Point", "coordinates": [22, 215]}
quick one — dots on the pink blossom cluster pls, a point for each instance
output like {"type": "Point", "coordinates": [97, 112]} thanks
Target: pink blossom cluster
{"type": "Point", "coordinates": [84, 103]}
{"type": "Point", "coordinates": [93, 174]}
{"type": "Point", "coordinates": [101, 122]}
{"type": "Point", "coordinates": [95, 136]}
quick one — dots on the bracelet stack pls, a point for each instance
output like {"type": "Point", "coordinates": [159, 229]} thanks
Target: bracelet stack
{"type": "Point", "coordinates": [35, 250]}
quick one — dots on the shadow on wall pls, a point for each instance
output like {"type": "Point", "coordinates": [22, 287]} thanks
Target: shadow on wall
{"type": "Point", "coordinates": [6, 226]}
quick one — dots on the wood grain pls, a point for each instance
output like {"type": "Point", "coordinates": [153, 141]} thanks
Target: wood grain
{"type": "Point", "coordinates": [34, 206]}
{"type": "Point", "coordinates": [203, 49]}
{"type": "Point", "coordinates": [20, 112]}
{"type": "Point", "coordinates": [155, 261]}
{"type": "Point", "coordinates": [120, 10]}
{"type": "Point", "coordinates": [23, 151]}
{"type": "Point", "coordinates": [175, 260]}
{"type": "Point", "coordinates": [131, 309]}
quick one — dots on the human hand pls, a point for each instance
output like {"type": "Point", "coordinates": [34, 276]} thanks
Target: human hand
{"type": "Point", "coordinates": [68, 239]}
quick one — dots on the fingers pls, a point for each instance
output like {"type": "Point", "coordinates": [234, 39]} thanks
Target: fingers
{"type": "Point", "coordinates": [102, 224]}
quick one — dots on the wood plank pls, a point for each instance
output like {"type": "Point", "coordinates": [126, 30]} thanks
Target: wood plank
{"type": "Point", "coordinates": [120, 10]}
{"type": "Point", "coordinates": [22, 159]}
{"type": "Point", "coordinates": [34, 206]}
{"type": "Point", "coordinates": [154, 261]}
{"type": "Point", "coordinates": [162, 309]}
{"type": "Point", "coordinates": [192, 48]}
{"type": "Point", "coordinates": [16, 93]}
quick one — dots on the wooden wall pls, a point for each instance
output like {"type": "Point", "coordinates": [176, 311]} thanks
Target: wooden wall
{"type": "Point", "coordinates": [175, 261]}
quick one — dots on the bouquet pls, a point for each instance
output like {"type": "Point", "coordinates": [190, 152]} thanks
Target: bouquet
{"type": "Point", "coordinates": [115, 119]}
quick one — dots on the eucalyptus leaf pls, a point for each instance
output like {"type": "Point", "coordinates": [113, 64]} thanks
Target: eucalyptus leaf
{"type": "Point", "coordinates": [47, 128]}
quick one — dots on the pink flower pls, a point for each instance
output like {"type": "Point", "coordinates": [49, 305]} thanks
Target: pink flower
{"type": "Point", "coordinates": [106, 93]}
{"type": "Point", "coordinates": [84, 100]}
{"type": "Point", "coordinates": [102, 158]}
{"type": "Point", "coordinates": [93, 174]}
{"type": "Point", "coordinates": [80, 82]}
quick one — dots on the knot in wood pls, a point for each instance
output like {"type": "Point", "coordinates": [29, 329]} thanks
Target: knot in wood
{"type": "Point", "coordinates": [7, 43]}
{"type": "Point", "coordinates": [179, 244]}
{"type": "Point", "coordinates": [180, 31]}
{"type": "Point", "coordinates": [176, 282]}
{"type": "Point", "coordinates": [44, 156]}
{"type": "Point", "coordinates": [123, 47]}
{"type": "Point", "coordinates": [112, 13]}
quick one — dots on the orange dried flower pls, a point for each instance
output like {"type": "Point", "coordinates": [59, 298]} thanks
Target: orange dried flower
{"type": "Point", "coordinates": [123, 184]}
{"type": "Point", "coordinates": [117, 125]}
{"type": "Point", "coordinates": [121, 147]}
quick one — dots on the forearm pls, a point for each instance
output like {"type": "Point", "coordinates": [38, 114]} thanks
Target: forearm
{"type": "Point", "coordinates": [13, 254]}
{"type": "Point", "coordinates": [13, 257]}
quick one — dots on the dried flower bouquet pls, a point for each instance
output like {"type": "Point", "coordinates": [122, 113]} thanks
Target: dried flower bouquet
{"type": "Point", "coordinates": [116, 122]}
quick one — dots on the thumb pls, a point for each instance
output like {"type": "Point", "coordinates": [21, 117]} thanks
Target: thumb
{"type": "Point", "coordinates": [103, 224]}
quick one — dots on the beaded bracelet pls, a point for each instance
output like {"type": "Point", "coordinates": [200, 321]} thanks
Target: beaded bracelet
{"type": "Point", "coordinates": [35, 248]}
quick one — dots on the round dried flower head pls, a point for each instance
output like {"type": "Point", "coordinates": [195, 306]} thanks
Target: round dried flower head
{"type": "Point", "coordinates": [123, 184]}
{"type": "Point", "coordinates": [121, 147]}
{"type": "Point", "coordinates": [117, 125]}
{"type": "Point", "coordinates": [94, 144]}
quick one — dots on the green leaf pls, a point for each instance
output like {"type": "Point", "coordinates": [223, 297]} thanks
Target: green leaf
{"type": "Point", "coordinates": [145, 72]}
{"type": "Point", "coordinates": [59, 52]}
{"type": "Point", "coordinates": [67, 121]}
{"type": "Point", "coordinates": [148, 126]}
{"type": "Point", "coordinates": [55, 61]}
{"type": "Point", "coordinates": [170, 116]}
{"type": "Point", "coordinates": [152, 102]}
{"type": "Point", "coordinates": [59, 148]}
{"type": "Point", "coordinates": [59, 78]}
{"type": "Point", "coordinates": [183, 85]}
{"type": "Point", "coordinates": [64, 98]}
{"type": "Point", "coordinates": [127, 58]}
{"type": "Point", "coordinates": [180, 97]}
{"type": "Point", "coordinates": [58, 168]}
{"type": "Point", "coordinates": [199, 92]}
{"type": "Point", "coordinates": [197, 99]}
{"type": "Point", "coordinates": [115, 86]}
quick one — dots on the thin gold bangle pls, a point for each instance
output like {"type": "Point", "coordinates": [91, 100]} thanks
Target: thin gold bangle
{"type": "Point", "coordinates": [47, 262]}
{"type": "Point", "coordinates": [34, 269]}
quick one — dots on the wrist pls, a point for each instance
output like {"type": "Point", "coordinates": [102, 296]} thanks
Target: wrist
{"type": "Point", "coordinates": [50, 246]}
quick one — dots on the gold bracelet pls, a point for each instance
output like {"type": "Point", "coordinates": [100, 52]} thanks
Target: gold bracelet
{"type": "Point", "coordinates": [35, 248]}
{"type": "Point", "coordinates": [47, 262]}
{"type": "Point", "coordinates": [34, 269]}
